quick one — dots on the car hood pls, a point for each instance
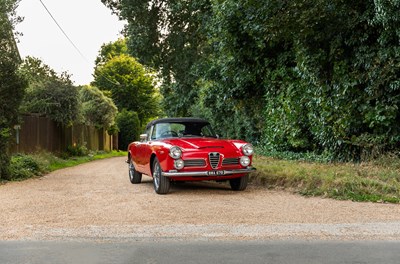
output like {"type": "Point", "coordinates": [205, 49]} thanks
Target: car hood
{"type": "Point", "coordinates": [205, 143]}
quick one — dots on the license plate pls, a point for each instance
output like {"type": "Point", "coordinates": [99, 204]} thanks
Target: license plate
{"type": "Point", "coordinates": [215, 173]}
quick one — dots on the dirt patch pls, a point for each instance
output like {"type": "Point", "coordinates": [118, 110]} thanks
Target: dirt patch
{"type": "Point", "coordinates": [97, 201]}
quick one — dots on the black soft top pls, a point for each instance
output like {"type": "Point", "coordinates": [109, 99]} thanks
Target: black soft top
{"type": "Point", "coordinates": [177, 120]}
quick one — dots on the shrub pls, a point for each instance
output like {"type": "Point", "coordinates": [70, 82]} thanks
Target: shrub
{"type": "Point", "coordinates": [77, 151]}
{"type": "Point", "coordinates": [129, 128]}
{"type": "Point", "coordinates": [97, 109]}
{"type": "Point", "coordinates": [23, 167]}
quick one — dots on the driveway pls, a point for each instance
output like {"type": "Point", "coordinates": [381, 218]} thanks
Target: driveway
{"type": "Point", "coordinates": [96, 201]}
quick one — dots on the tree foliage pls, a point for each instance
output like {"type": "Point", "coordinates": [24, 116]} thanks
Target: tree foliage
{"type": "Point", "coordinates": [169, 36]}
{"type": "Point", "coordinates": [130, 85]}
{"type": "Point", "coordinates": [342, 96]}
{"type": "Point", "coordinates": [12, 84]}
{"type": "Point", "coordinates": [49, 93]}
{"type": "Point", "coordinates": [129, 128]}
{"type": "Point", "coordinates": [319, 76]}
{"type": "Point", "coordinates": [97, 109]}
{"type": "Point", "coordinates": [111, 50]}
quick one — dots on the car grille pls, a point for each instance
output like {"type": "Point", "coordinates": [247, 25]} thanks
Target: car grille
{"type": "Point", "coordinates": [230, 161]}
{"type": "Point", "coordinates": [214, 159]}
{"type": "Point", "coordinates": [195, 163]}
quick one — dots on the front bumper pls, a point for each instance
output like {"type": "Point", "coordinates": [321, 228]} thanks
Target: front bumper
{"type": "Point", "coordinates": [212, 173]}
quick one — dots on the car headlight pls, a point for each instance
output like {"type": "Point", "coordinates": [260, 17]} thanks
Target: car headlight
{"type": "Point", "coordinates": [175, 152]}
{"type": "Point", "coordinates": [247, 149]}
{"type": "Point", "coordinates": [245, 161]}
{"type": "Point", "coordinates": [179, 164]}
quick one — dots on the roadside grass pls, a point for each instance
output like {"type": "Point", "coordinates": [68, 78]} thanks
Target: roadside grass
{"type": "Point", "coordinates": [374, 181]}
{"type": "Point", "coordinates": [24, 166]}
{"type": "Point", "coordinates": [58, 163]}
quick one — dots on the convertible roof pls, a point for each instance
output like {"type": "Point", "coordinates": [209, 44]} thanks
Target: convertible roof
{"type": "Point", "coordinates": [177, 120]}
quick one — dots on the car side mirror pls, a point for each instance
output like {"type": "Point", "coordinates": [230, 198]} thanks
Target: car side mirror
{"type": "Point", "coordinates": [143, 137]}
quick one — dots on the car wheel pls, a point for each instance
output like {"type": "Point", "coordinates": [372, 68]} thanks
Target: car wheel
{"type": "Point", "coordinates": [239, 184]}
{"type": "Point", "coordinates": [134, 176]}
{"type": "Point", "coordinates": [161, 183]}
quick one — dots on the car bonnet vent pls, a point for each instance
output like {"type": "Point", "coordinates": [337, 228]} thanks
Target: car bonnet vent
{"type": "Point", "coordinates": [214, 159]}
{"type": "Point", "coordinates": [211, 147]}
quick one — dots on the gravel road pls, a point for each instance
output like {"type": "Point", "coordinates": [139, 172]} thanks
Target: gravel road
{"type": "Point", "coordinates": [96, 201]}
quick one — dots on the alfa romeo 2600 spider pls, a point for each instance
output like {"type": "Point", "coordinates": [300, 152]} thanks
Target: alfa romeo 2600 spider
{"type": "Point", "coordinates": [186, 149]}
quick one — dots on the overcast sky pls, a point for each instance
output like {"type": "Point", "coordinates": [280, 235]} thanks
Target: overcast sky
{"type": "Point", "coordinates": [88, 23]}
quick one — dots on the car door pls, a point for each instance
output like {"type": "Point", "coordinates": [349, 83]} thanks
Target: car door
{"type": "Point", "coordinates": [144, 152]}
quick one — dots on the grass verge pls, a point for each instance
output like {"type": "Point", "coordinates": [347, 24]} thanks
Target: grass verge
{"type": "Point", "coordinates": [375, 181]}
{"type": "Point", "coordinates": [24, 166]}
{"type": "Point", "coordinates": [58, 163]}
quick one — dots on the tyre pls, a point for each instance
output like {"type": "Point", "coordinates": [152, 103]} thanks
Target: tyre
{"type": "Point", "coordinates": [161, 183]}
{"type": "Point", "coordinates": [134, 176]}
{"type": "Point", "coordinates": [239, 184]}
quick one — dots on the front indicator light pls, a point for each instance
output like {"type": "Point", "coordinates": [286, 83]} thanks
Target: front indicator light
{"type": "Point", "coordinates": [179, 164]}
{"type": "Point", "coordinates": [245, 161]}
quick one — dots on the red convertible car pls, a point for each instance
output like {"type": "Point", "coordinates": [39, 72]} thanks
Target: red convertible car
{"type": "Point", "coordinates": [186, 149]}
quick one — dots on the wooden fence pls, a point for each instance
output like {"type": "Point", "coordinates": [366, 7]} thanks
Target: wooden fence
{"type": "Point", "coordinates": [40, 133]}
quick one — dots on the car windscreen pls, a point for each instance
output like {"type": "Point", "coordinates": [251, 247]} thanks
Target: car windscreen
{"type": "Point", "coordinates": [187, 129]}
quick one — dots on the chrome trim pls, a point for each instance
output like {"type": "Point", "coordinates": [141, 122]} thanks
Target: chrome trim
{"type": "Point", "coordinates": [143, 137]}
{"type": "Point", "coordinates": [205, 173]}
{"type": "Point", "coordinates": [214, 158]}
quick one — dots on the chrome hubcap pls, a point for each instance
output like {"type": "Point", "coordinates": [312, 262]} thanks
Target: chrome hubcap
{"type": "Point", "coordinates": [156, 175]}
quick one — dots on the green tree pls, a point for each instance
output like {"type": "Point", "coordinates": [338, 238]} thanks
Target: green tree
{"type": "Point", "coordinates": [169, 36]}
{"type": "Point", "coordinates": [129, 128]}
{"type": "Point", "coordinates": [97, 109]}
{"type": "Point", "coordinates": [50, 94]}
{"type": "Point", "coordinates": [317, 76]}
{"type": "Point", "coordinates": [329, 73]}
{"type": "Point", "coordinates": [346, 60]}
{"type": "Point", "coordinates": [12, 84]}
{"type": "Point", "coordinates": [130, 84]}
{"type": "Point", "coordinates": [111, 50]}
{"type": "Point", "coordinates": [237, 66]}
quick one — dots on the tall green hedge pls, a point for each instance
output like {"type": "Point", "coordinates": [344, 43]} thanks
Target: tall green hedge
{"type": "Point", "coordinates": [302, 76]}
{"type": "Point", "coordinates": [12, 85]}
{"type": "Point", "coordinates": [325, 74]}
{"type": "Point", "coordinates": [129, 128]}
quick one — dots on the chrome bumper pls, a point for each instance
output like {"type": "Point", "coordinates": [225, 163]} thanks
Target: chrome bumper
{"type": "Point", "coordinates": [207, 173]}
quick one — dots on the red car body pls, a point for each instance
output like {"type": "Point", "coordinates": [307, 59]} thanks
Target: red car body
{"type": "Point", "coordinates": [186, 149]}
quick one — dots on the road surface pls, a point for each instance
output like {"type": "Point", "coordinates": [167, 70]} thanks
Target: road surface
{"type": "Point", "coordinates": [254, 252]}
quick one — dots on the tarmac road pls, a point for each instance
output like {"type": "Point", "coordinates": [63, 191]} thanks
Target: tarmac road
{"type": "Point", "coordinates": [274, 252]}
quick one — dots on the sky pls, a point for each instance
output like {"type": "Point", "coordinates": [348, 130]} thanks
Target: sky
{"type": "Point", "coordinates": [88, 23]}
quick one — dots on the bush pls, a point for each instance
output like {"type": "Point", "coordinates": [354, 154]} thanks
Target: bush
{"type": "Point", "coordinates": [97, 109]}
{"type": "Point", "coordinates": [23, 167]}
{"type": "Point", "coordinates": [129, 128]}
{"type": "Point", "coordinates": [324, 157]}
{"type": "Point", "coordinates": [77, 151]}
